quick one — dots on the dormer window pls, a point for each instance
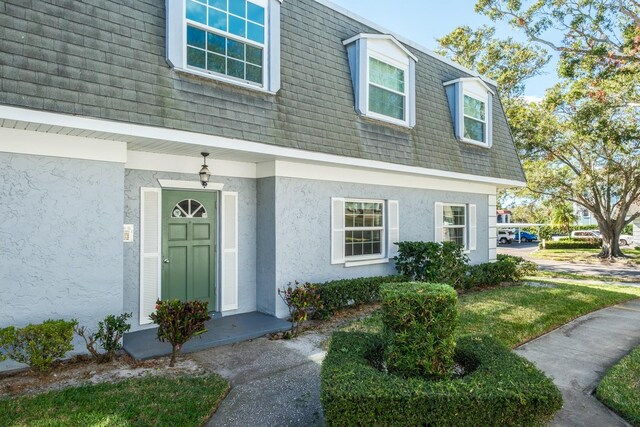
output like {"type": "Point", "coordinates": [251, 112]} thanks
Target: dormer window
{"type": "Point", "coordinates": [383, 77]}
{"type": "Point", "coordinates": [235, 41]}
{"type": "Point", "coordinates": [475, 119]}
{"type": "Point", "coordinates": [470, 101]}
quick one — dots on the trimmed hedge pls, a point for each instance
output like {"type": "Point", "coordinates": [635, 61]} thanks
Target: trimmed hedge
{"type": "Point", "coordinates": [432, 262]}
{"type": "Point", "coordinates": [420, 321]}
{"type": "Point", "coordinates": [546, 232]}
{"type": "Point", "coordinates": [340, 294]}
{"type": "Point", "coordinates": [502, 389]}
{"type": "Point", "coordinates": [508, 268]}
{"type": "Point", "coordinates": [572, 244]}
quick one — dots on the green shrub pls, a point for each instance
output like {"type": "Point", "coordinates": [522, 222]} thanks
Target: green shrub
{"type": "Point", "coordinates": [432, 262]}
{"type": "Point", "coordinates": [110, 333]}
{"type": "Point", "coordinates": [571, 244]}
{"type": "Point", "coordinates": [499, 388]}
{"type": "Point", "coordinates": [419, 320]}
{"type": "Point", "coordinates": [507, 269]}
{"type": "Point", "coordinates": [179, 321]}
{"type": "Point", "coordinates": [38, 345]}
{"type": "Point", "coordinates": [340, 294]}
{"type": "Point", "coordinates": [301, 300]}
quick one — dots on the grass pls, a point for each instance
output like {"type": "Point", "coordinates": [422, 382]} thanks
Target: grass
{"type": "Point", "coordinates": [620, 388]}
{"type": "Point", "coordinates": [149, 401]}
{"type": "Point", "coordinates": [515, 315]}
{"type": "Point", "coordinates": [583, 256]}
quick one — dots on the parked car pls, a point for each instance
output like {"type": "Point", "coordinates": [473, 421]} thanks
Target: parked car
{"type": "Point", "coordinates": [505, 237]}
{"type": "Point", "coordinates": [524, 236]}
{"type": "Point", "coordinates": [586, 234]}
{"type": "Point", "coordinates": [626, 239]}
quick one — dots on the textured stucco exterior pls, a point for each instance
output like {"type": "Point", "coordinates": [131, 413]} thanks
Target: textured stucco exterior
{"type": "Point", "coordinates": [60, 239]}
{"type": "Point", "coordinates": [303, 227]}
{"type": "Point", "coordinates": [246, 188]}
{"type": "Point", "coordinates": [266, 248]}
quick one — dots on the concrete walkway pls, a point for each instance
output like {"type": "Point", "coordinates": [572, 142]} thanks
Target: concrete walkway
{"type": "Point", "coordinates": [274, 383]}
{"type": "Point", "coordinates": [577, 355]}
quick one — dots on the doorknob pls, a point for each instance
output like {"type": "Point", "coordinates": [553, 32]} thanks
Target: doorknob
{"type": "Point", "coordinates": [166, 261]}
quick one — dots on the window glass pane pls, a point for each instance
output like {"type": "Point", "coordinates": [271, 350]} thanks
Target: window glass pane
{"type": "Point", "coordinates": [237, 26]}
{"type": "Point", "coordinates": [255, 13]}
{"type": "Point", "coordinates": [454, 215]}
{"type": "Point", "coordinates": [474, 129]}
{"type": "Point", "coordinates": [216, 63]}
{"type": "Point", "coordinates": [382, 101]}
{"type": "Point", "coordinates": [216, 43]}
{"type": "Point", "coordinates": [238, 7]}
{"type": "Point", "coordinates": [196, 57]}
{"type": "Point", "coordinates": [235, 49]}
{"type": "Point", "coordinates": [220, 4]}
{"type": "Point", "coordinates": [254, 55]}
{"type": "Point", "coordinates": [235, 68]}
{"type": "Point", "coordinates": [195, 37]}
{"type": "Point", "coordinates": [455, 235]}
{"type": "Point", "coordinates": [474, 108]}
{"type": "Point", "coordinates": [217, 19]}
{"type": "Point", "coordinates": [366, 242]}
{"type": "Point", "coordinates": [386, 75]}
{"type": "Point", "coordinates": [254, 74]}
{"type": "Point", "coordinates": [196, 12]}
{"type": "Point", "coordinates": [255, 32]}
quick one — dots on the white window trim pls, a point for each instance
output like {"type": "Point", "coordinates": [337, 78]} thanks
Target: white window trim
{"type": "Point", "coordinates": [353, 261]}
{"type": "Point", "coordinates": [271, 56]}
{"type": "Point", "coordinates": [405, 69]}
{"type": "Point", "coordinates": [486, 124]}
{"type": "Point", "coordinates": [465, 227]}
{"type": "Point", "coordinates": [224, 77]}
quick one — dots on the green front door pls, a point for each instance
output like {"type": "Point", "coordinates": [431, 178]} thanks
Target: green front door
{"type": "Point", "coordinates": [189, 246]}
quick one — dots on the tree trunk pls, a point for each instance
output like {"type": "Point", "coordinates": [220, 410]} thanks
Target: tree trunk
{"type": "Point", "coordinates": [174, 353]}
{"type": "Point", "coordinates": [611, 241]}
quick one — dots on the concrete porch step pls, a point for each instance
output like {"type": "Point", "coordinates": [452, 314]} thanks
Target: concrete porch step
{"type": "Point", "coordinates": [220, 331]}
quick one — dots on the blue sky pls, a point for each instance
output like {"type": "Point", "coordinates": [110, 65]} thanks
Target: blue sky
{"type": "Point", "coordinates": [425, 20]}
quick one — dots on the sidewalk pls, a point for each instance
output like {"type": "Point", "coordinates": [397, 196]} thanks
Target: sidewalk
{"type": "Point", "coordinates": [577, 355]}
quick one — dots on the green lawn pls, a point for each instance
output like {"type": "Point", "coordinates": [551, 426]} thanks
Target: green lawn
{"type": "Point", "coordinates": [620, 388]}
{"type": "Point", "coordinates": [150, 401]}
{"type": "Point", "coordinates": [583, 256]}
{"type": "Point", "coordinates": [518, 314]}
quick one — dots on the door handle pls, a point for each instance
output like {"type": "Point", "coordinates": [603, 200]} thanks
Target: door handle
{"type": "Point", "coordinates": [166, 261]}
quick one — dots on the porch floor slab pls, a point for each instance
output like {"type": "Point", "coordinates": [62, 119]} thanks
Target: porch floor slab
{"type": "Point", "coordinates": [220, 331]}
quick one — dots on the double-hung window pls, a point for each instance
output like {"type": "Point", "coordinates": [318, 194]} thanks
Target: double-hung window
{"type": "Point", "coordinates": [470, 103]}
{"type": "Point", "coordinates": [387, 90]}
{"type": "Point", "coordinates": [383, 73]}
{"type": "Point", "coordinates": [457, 223]}
{"type": "Point", "coordinates": [236, 41]}
{"type": "Point", "coordinates": [475, 119]}
{"type": "Point", "coordinates": [454, 224]}
{"type": "Point", "coordinates": [226, 37]}
{"type": "Point", "coordinates": [364, 229]}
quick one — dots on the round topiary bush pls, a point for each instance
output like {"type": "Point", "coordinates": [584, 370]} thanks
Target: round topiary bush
{"type": "Point", "coordinates": [420, 321]}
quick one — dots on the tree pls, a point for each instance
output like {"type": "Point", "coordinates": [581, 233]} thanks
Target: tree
{"type": "Point", "coordinates": [596, 38]}
{"type": "Point", "coordinates": [562, 216]}
{"type": "Point", "coordinates": [587, 152]}
{"type": "Point", "coordinates": [507, 62]}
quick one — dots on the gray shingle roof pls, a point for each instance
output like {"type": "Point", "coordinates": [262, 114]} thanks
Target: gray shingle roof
{"type": "Point", "coordinates": [105, 59]}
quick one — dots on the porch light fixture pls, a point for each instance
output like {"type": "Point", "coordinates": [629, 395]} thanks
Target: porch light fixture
{"type": "Point", "coordinates": [204, 172]}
